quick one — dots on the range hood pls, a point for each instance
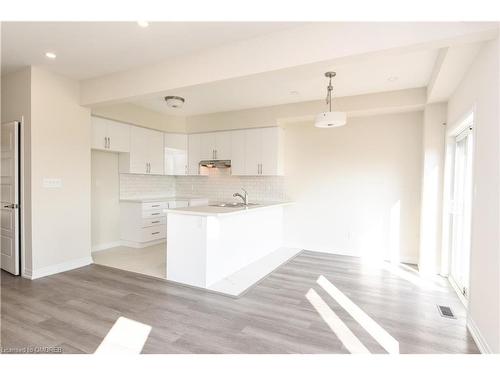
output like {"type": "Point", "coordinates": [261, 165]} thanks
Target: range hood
{"type": "Point", "coordinates": [215, 163]}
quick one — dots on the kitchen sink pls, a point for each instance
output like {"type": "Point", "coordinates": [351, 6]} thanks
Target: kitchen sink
{"type": "Point", "coordinates": [232, 204]}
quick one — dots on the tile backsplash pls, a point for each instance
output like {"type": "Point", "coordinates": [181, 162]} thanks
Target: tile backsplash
{"type": "Point", "coordinates": [218, 186]}
{"type": "Point", "coordinates": [144, 186]}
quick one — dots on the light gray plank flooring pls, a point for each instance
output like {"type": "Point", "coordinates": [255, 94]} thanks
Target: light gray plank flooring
{"type": "Point", "coordinates": [75, 310]}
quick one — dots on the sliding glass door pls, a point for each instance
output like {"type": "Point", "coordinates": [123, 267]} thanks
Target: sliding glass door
{"type": "Point", "coordinates": [461, 211]}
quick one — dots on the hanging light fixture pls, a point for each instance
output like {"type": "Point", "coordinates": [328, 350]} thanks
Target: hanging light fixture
{"type": "Point", "coordinates": [330, 119]}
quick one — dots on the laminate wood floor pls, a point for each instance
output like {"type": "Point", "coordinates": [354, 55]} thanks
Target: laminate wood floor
{"type": "Point", "coordinates": [75, 310]}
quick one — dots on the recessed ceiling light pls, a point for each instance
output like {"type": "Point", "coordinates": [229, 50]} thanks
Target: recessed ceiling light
{"type": "Point", "coordinates": [143, 23]}
{"type": "Point", "coordinates": [50, 55]}
{"type": "Point", "coordinates": [393, 79]}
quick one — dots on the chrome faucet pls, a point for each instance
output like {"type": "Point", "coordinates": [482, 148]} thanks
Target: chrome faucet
{"type": "Point", "coordinates": [244, 197]}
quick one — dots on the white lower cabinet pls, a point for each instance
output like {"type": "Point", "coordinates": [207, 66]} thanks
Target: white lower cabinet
{"type": "Point", "coordinates": [145, 223]}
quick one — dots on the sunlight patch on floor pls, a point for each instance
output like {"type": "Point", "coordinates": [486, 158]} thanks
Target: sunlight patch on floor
{"type": "Point", "coordinates": [389, 343]}
{"type": "Point", "coordinates": [125, 337]}
{"type": "Point", "coordinates": [344, 334]}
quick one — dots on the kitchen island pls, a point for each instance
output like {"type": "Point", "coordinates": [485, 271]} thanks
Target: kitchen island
{"type": "Point", "coordinates": [225, 249]}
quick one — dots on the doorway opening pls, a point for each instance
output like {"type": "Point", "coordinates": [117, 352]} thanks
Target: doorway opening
{"type": "Point", "coordinates": [10, 184]}
{"type": "Point", "coordinates": [461, 203]}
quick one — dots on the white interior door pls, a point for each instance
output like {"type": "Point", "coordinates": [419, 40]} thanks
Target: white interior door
{"type": "Point", "coordinates": [461, 211]}
{"type": "Point", "coordinates": [10, 198]}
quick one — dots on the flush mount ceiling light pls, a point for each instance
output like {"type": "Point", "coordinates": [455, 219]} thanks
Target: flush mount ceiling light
{"type": "Point", "coordinates": [330, 119]}
{"type": "Point", "coordinates": [174, 101]}
{"type": "Point", "coordinates": [143, 23]}
{"type": "Point", "coordinates": [50, 55]}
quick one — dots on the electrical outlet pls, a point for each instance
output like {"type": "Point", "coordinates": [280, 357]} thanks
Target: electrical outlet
{"type": "Point", "coordinates": [52, 183]}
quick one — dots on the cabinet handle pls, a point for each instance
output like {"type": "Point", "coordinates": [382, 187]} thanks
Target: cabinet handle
{"type": "Point", "coordinates": [155, 213]}
{"type": "Point", "coordinates": [109, 143]}
{"type": "Point", "coordinates": [105, 142]}
{"type": "Point", "coordinates": [146, 167]}
{"type": "Point", "coordinates": [215, 154]}
{"type": "Point", "coordinates": [155, 205]}
{"type": "Point", "coordinates": [155, 233]}
{"type": "Point", "coordinates": [155, 222]}
{"type": "Point", "coordinates": [186, 168]}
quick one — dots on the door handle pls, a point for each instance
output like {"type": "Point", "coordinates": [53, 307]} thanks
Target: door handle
{"type": "Point", "coordinates": [11, 206]}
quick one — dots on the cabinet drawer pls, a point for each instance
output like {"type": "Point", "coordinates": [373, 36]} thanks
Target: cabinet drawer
{"type": "Point", "coordinates": [154, 221]}
{"type": "Point", "coordinates": [153, 233]}
{"type": "Point", "coordinates": [154, 205]}
{"type": "Point", "coordinates": [154, 213]}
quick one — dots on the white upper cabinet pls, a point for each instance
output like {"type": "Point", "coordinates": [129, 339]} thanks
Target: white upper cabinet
{"type": "Point", "coordinates": [223, 145]}
{"type": "Point", "coordinates": [146, 152]}
{"type": "Point", "coordinates": [176, 154]}
{"type": "Point", "coordinates": [216, 145]}
{"type": "Point", "coordinates": [272, 152]}
{"type": "Point", "coordinates": [238, 152]}
{"type": "Point", "coordinates": [207, 146]}
{"type": "Point", "coordinates": [263, 152]}
{"type": "Point", "coordinates": [253, 151]}
{"type": "Point", "coordinates": [109, 135]}
{"type": "Point", "coordinates": [194, 154]}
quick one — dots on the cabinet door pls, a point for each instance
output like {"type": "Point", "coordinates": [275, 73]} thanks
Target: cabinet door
{"type": "Point", "coordinates": [194, 154]}
{"type": "Point", "coordinates": [99, 134]}
{"type": "Point", "coordinates": [238, 153]}
{"type": "Point", "coordinates": [155, 152]}
{"type": "Point", "coordinates": [223, 145]}
{"type": "Point", "coordinates": [176, 154]}
{"type": "Point", "coordinates": [119, 136]}
{"type": "Point", "coordinates": [139, 150]}
{"type": "Point", "coordinates": [207, 142]}
{"type": "Point", "coordinates": [271, 152]}
{"type": "Point", "coordinates": [253, 151]}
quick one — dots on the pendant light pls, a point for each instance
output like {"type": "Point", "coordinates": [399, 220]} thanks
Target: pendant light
{"type": "Point", "coordinates": [330, 119]}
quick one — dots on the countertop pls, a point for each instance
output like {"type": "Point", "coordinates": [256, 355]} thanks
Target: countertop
{"type": "Point", "coordinates": [220, 211]}
{"type": "Point", "coordinates": [161, 199]}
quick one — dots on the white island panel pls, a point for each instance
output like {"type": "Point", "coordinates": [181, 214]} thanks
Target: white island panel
{"type": "Point", "coordinates": [204, 249]}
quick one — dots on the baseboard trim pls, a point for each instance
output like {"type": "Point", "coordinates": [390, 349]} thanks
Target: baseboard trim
{"type": "Point", "coordinates": [60, 267]}
{"type": "Point", "coordinates": [478, 337]}
{"type": "Point", "coordinates": [407, 260]}
{"type": "Point", "coordinates": [140, 245]}
{"type": "Point", "coordinates": [105, 246]}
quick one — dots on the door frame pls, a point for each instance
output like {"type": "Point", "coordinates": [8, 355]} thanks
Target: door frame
{"type": "Point", "coordinates": [458, 127]}
{"type": "Point", "coordinates": [23, 271]}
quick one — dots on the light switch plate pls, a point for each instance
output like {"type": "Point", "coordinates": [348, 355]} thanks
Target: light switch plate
{"type": "Point", "coordinates": [52, 183]}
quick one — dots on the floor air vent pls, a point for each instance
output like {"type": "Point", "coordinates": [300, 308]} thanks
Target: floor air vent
{"type": "Point", "coordinates": [446, 312]}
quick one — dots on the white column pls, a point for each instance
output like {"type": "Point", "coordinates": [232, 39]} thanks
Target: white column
{"type": "Point", "coordinates": [433, 149]}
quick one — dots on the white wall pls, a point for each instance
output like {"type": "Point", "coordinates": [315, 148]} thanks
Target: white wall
{"type": "Point", "coordinates": [356, 188]}
{"type": "Point", "coordinates": [358, 105]}
{"type": "Point", "coordinates": [60, 148]}
{"type": "Point", "coordinates": [433, 150]}
{"type": "Point", "coordinates": [479, 91]}
{"type": "Point", "coordinates": [136, 115]}
{"type": "Point", "coordinates": [105, 195]}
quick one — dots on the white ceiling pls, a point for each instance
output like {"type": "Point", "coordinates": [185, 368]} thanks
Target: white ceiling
{"type": "Point", "coordinates": [367, 75]}
{"type": "Point", "coordinates": [90, 49]}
